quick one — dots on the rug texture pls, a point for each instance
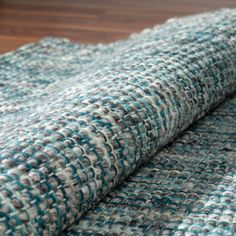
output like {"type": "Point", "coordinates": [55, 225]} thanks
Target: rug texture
{"type": "Point", "coordinates": [82, 131]}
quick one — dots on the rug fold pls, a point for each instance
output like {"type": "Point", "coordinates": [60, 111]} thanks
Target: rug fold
{"type": "Point", "coordinates": [76, 120]}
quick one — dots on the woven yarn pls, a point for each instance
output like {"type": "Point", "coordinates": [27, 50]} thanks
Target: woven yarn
{"type": "Point", "coordinates": [77, 120]}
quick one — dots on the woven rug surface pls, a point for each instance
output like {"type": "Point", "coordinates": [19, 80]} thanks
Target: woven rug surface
{"type": "Point", "coordinates": [92, 141]}
{"type": "Point", "coordinates": [188, 188]}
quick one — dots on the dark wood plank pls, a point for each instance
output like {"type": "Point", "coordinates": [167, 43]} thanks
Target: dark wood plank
{"type": "Point", "coordinates": [89, 21]}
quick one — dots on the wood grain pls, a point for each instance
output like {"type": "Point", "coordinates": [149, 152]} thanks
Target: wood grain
{"type": "Point", "coordinates": [89, 21]}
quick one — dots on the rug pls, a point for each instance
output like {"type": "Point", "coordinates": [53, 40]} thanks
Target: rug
{"type": "Point", "coordinates": [92, 141]}
{"type": "Point", "coordinates": [188, 188]}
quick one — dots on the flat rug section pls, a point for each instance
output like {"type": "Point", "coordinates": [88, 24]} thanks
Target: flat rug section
{"type": "Point", "coordinates": [189, 188]}
{"type": "Point", "coordinates": [76, 120]}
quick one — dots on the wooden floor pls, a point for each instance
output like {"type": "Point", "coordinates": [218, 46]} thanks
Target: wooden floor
{"type": "Point", "coordinates": [89, 21]}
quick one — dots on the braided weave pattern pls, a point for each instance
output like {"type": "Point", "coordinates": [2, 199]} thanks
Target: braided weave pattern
{"type": "Point", "coordinates": [76, 119]}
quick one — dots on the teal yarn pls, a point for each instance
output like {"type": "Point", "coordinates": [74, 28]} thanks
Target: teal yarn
{"type": "Point", "coordinates": [76, 120]}
{"type": "Point", "coordinates": [188, 188]}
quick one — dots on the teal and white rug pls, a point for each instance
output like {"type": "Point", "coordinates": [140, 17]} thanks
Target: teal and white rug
{"type": "Point", "coordinates": [106, 139]}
